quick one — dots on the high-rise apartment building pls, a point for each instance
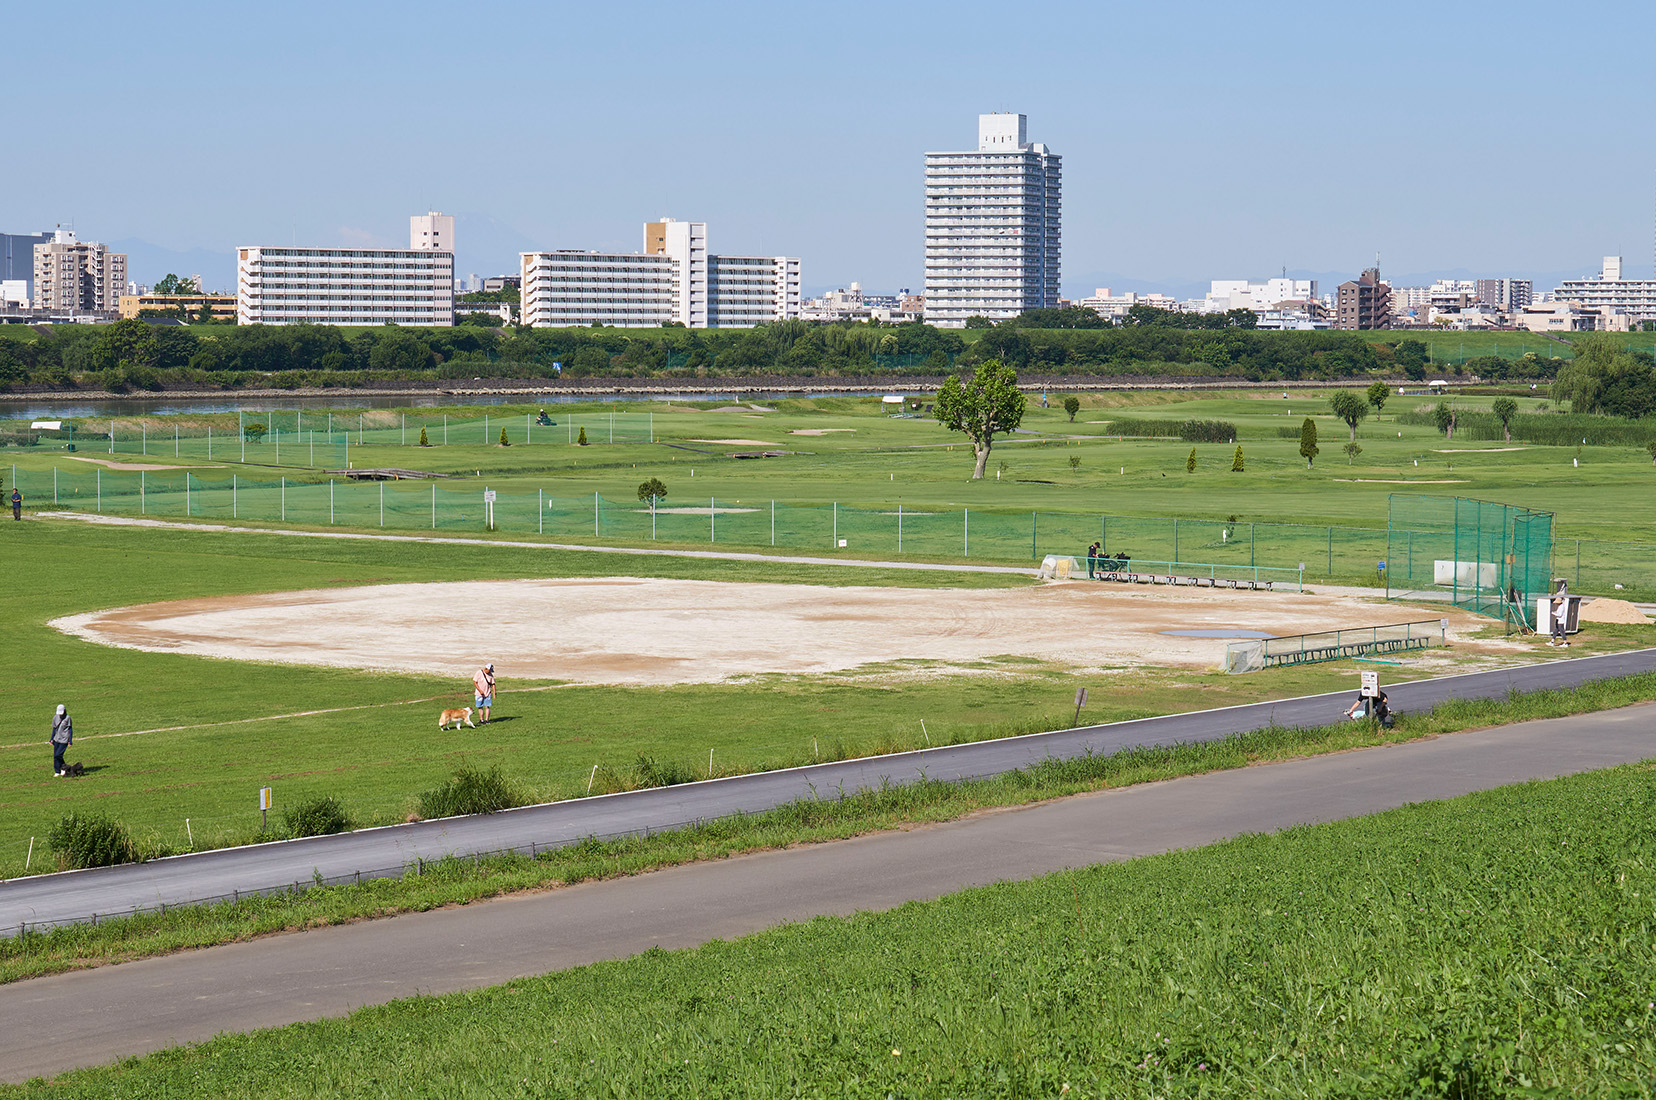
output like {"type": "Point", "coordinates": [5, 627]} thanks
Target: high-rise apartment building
{"type": "Point", "coordinates": [1634, 297]}
{"type": "Point", "coordinates": [1363, 302]}
{"type": "Point", "coordinates": [352, 286]}
{"type": "Point", "coordinates": [78, 276]}
{"type": "Point", "coordinates": [1506, 295]}
{"type": "Point", "coordinates": [993, 226]}
{"type": "Point", "coordinates": [675, 279]}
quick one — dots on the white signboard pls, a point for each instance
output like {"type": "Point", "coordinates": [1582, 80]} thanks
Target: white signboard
{"type": "Point", "coordinates": [488, 496]}
{"type": "Point", "coordinates": [264, 798]}
{"type": "Point", "coordinates": [1371, 685]}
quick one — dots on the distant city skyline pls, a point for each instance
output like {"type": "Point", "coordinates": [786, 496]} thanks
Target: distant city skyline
{"type": "Point", "coordinates": [1206, 146]}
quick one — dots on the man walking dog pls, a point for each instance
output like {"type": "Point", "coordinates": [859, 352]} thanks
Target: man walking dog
{"type": "Point", "coordinates": [483, 688]}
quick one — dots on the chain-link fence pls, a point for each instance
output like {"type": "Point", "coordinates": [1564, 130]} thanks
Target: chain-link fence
{"type": "Point", "coordinates": [1493, 559]}
{"type": "Point", "coordinates": [1407, 557]}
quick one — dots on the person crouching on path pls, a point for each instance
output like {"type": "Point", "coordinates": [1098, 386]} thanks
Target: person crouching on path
{"type": "Point", "coordinates": [63, 735]}
{"type": "Point", "coordinates": [483, 688]}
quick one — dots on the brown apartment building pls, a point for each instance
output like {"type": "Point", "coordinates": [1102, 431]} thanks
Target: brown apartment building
{"type": "Point", "coordinates": [1363, 302]}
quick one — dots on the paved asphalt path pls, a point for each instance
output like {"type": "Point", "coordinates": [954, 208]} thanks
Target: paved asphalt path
{"type": "Point", "coordinates": [77, 896]}
{"type": "Point", "coordinates": [97, 1016]}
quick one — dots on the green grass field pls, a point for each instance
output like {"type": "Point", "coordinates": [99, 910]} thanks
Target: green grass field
{"type": "Point", "coordinates": [1489, 946]}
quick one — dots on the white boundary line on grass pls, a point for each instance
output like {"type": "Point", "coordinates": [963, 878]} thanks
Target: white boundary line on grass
{"type": "Point", "coordinates": [717, 555]}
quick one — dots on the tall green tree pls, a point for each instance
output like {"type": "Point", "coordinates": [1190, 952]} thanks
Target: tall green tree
{"type": "Point", "coordinates": [1308, 441]}
{"type": "Point", "coordinates": [128, 344]}
{"type": "Point", "coordinates": [1072, 405]}
{"type": "Point", "coordinates": [172, 284]}
{"type": "Point", "coordinates": [985, 404]}
{"type": "Point", "coordinates": [1505, 408]}
{"type": "Point", "coordinates": [1350, 407]}
{"type": "Point", "coordinates": [1236, 463]}
{"type": "Point", "coordinates": [1377, 393]}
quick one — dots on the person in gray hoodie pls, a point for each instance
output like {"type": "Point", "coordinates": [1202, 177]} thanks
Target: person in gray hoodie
{"type": "Point", "coordinates": [63, 735]}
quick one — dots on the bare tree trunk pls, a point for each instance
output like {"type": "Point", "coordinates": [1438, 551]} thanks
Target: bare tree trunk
{"type": "Point", "coordinates": [1353, 426]}
{"type": "Point", "coordinates": [982, 452]}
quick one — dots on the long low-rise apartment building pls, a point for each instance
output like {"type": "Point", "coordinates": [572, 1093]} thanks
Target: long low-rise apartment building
{"type": "Point", "coordinates": [351, 286]}
{"type": "Point", "coordinates": [674, 279]}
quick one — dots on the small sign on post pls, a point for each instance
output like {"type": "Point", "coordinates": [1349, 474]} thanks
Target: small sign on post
{"type": "Point", "coordinates": [264, 807]}
{"type": "Point", "coordinates": [1371, 685]}
{"type": "Point", "coordinates": [1080, 701]}
{"type": "Point", "coordinates": [488, 506]}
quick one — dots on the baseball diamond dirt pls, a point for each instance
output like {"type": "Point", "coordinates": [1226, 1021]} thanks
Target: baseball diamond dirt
{"type": "Point", "coordinates": [628, 630]}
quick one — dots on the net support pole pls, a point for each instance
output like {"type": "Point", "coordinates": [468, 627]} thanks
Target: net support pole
{"type": "Point", "coordinates": [899, 528]}
{"type": "Point", "coordinates": [175, 440]}
{"type": "Point", "coordinates": [434, 506]}
{"type": "Point", "coordinates": [594, 515]}
{"type": "Point", "coordinates": [965, 532]}
{"type": "Point", "coordinates": [540, 507]}
{"type": "Point", "coordinates": [54, 485]}
{"type": "Point", "coordinates": [652, 427]}
{"type": "Point", "coordinates": [100, 490]}
{"type": "Point", "coordinates": [209, 443]}
{"type": "Point", "coordinates": [142, 481]}
{"type": "Point", "coordinates": [186, 494]}
{"type": "Point", "coordinates": [235, 512]}
{"type": "Point", "coordinates": [1034, 527]}
{"type": "Point", "coordinates": [612, 426]}
{"type": "Point", "coordinates": [485, 429]}
{"type": "Point", "coordinates": [1330, 571]}
{"type": "Point", "coordinates": [330, 503]}
{"type": "Point", "coordinates": [405, 429]}
{"type": "Point", "coordinates": [284, 499]}
{"type": "Point", "coordinates": [836, 525]}
{"type": "Point", "coordinates": [382, 504]}
{"type": "Point", "coordinates": [713, 524]}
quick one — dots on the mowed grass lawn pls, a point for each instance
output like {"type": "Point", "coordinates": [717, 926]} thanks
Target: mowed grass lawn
{"type": "Point", "coordinates": [868, 460]}
{"type": "Point", "coordinates": [1489, 946]}
{"type": "Point", "coordinates": [170, 737]}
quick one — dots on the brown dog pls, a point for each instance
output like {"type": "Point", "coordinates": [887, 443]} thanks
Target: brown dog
{"type": "Point", "coordinates": [455, 715]}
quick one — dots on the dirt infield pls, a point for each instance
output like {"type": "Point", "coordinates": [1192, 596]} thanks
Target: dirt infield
{"type": "Point", "coordinates": [624, 630]}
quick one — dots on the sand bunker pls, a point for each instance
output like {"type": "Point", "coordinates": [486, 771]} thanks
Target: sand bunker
{"type": "Point", "coordinates": [1612, 611]}
{"type": "Point", "coordinates": [114, 465]}
{"type": "Point", "coordinates": [650, 631]}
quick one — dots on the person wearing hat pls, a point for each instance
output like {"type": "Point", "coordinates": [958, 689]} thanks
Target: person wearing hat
{"type": "Point", "coordinates": [63, 735]}
{"type": "Point", "coordinates": [483, 688]}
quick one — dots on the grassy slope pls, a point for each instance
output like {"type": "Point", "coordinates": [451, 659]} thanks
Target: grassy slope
{"type": "Point", "coordinates": [1482, 944]}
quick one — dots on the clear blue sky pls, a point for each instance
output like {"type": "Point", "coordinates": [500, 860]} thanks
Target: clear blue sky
{"type": "Point", "coordinates": [1200, 140]}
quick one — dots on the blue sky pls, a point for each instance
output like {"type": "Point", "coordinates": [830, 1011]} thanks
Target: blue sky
{"type": "Point", "coordinates": [1199, 140]}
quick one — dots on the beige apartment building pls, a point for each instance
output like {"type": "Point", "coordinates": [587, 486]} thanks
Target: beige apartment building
{"type": "Point", "coordinates": [222, 307]}
{"type": "Point", "coordinates": [78, 276]}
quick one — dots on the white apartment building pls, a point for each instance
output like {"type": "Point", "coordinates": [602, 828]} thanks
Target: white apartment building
{"type": "Point", "coordinates": [351, 286]}
{"type": "Point", "coordinates": [1228, 294]}
{"type": "Point", "coordinates": [1110, 305]}
{"type": "Point", "coordinates": [675, 279]}
{"type": "Point", "coordinates": [78, 276]}
{"type": "Point", "coordinates": [851, 304]}
{"type": "Point", "coordinates": [993, 226]}
{"type": "Point", "coordinates": [1609, 293]}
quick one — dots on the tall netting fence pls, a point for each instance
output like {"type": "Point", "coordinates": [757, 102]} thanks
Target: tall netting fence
{"type": "Point", "coordinates": [1492, 559]}
{"type": "Point", "coordinates": [1480, 555]}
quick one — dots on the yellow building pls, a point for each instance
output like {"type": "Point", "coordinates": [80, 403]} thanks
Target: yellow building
{"type": "Point", "coordinates": [223, 306]}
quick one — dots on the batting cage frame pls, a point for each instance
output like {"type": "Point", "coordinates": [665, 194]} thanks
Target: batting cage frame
{"type": "Point", "coordinates": [1490, 559]}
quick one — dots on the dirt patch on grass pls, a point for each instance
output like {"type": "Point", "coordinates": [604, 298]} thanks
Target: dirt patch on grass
{"type": "Point", "coordinates": [116, 465]}
{"type": "Point", "coordinates": [623, 630]}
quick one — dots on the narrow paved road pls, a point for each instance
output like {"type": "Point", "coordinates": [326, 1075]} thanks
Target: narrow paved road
{"type": "Point", "coordinates": [77, 896]}
{"type": "Point", "coordinates": [97, 1016]}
